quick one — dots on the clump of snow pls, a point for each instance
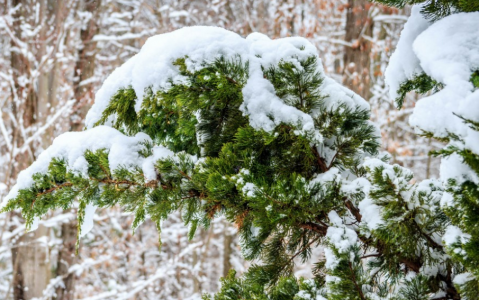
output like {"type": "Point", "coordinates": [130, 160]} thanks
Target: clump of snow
{"type": "Point", "coordinates": [371, 213]}
{"type": "Point", "coordinates": [453, 167]}
{"type": "Point", "coordinates": [87, 224]}
{"type": "Point", "coordinates": [247, 188]}
{"type": "Point", "coordinates": [331, 259]}
{"type": "Point", "coordinates": [148, 165]}
{"type": "Point", "coordinates": [153, 67]}
{"type": "Point", "coordinates": [331, 175]}
{"type": "Point", "coordinates": [404, 64]}
{"type": "Point", "coordinates": [71, 146]}
{"type": "Point", "coordinates": [342, 238]}
{"type": "Point", "coordinates": [35, 223]}
{"type": "Point", "coordinates": [334, 218]}
{"type": "Point", "coordinates": [463, 278]}
{"type": "Point", "coordinates": [356, 186]}
{"type": "Point", "coordinates": [452, 64]}
{"type": "Point", "coordinates": [447, 51]}
{"type": "Point", "coordinates": [454, 234]}
{"type": "Point", "coordinates": [447, 199]}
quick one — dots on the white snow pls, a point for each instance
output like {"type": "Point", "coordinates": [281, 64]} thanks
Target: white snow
{"type": "Point", "coordinates": [342, 238]}
{"type": "Point", "coordinates": [35, 223]}
{"type": "Point", "coordinates": [404, 64]}
{"type": "Point", "coordinates": [335, 219]}
{"type": "Point", "coordinates": [148, 165]}
{"type": "Point", "coordinates": [463, 278]}
{"type": "Point", "coordinates": [453, 167]}
{"type": "Point", "coordinates": [87, 224]}
{"type": "Point", "coordinates": [71, 146]}
{"type": "Point", "coordinates": [447, 199]}
{"type": "Point", "coordinates": [451, 63]}
{"type": "Point", "coordinates": [355, 186]}
{"type": "Point", "coordinates": [454, 234]}
{"type": "Point", "coordinates": [371, 213]}
{"type": "Point", "coordinates": [153, 67]}
{"type": "Point", "coordinates": [448, 52]}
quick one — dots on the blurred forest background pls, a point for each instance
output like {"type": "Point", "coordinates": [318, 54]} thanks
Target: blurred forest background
{"type": "Point", "coordinates": [55, 54]}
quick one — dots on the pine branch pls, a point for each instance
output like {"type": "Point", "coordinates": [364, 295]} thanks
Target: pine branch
{"type": "Point", "coordinates": [358, 288]}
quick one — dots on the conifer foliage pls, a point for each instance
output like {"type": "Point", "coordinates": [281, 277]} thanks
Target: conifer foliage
{"type": "Point", "coordinates": [205, 122]}
{"type": "Point", "coordinates": [447, 73]}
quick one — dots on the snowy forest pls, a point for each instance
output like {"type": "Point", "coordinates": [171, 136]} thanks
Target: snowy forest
{"type": "Point", "coordinates": [246, 149]}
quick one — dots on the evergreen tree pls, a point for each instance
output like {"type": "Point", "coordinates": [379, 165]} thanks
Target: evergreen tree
{"type": "Point", "coordinates": [454, 103]}
{"type": "Point", "coordinates": [208, 123]}
{"type": "Point", "coordinates": [436, 9]}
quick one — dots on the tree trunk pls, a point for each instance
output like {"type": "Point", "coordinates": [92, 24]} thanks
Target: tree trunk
{"type": "Point", "coordinates": [227, 250]}
{"type": "Point", "coordinates": [67, 258]}
{"type": "Point", "coordinates": [359, 27]}
{"type": "Point", "coordinates": [30, 254]}
{"type": "Point", "coordinates": [85, 66]}
{"type": "Point", "coordinates": [31, 265]}
{"type": "Point", "coordinates": [31, 268]}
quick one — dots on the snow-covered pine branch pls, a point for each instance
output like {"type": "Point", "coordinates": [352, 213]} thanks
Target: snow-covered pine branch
{"type": "Point", "coordinates": [441, 58]}
{"type": "Point", "coordinates": [208, 123]}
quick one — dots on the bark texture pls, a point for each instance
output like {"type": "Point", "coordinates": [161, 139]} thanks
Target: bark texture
{"type": "Point", "coordinates": [67, 258]}
{"type": "Point", "coordinates": [85, 66]}
{"type": "Point", "coordinates": [31, 265]}
{"type": "Point", "coordinates": [357, 56]}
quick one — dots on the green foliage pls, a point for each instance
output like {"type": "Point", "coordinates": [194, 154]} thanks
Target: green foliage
{"type": "Point", "coordinates": [461, 204]}
{"type": "Point", "coordinates": [420, 83]}
{"type": "Point", "coordinates": [264, 182]}
{"type": "Point", "coordinates": [475, 79]}
{"type": "Point", "coordinates": [286, 191]}
{"type": "Point", "coordinates": [436, 9]}
{"type": "Point", "coordinates": [168, 116]}
{"type": "Point", "coordinates": [288, 288]}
